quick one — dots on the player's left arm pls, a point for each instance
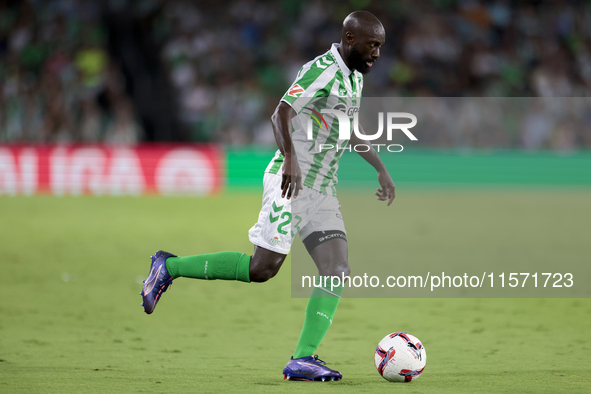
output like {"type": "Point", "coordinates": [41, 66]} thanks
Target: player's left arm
{"type": "Point", "coordinates": [371, 156]}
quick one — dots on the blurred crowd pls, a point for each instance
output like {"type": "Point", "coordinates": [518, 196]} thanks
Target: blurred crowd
{"type": "Point", "coordinates": [123, 71]}
{"type": "Point", "coordinates": [58, 82]}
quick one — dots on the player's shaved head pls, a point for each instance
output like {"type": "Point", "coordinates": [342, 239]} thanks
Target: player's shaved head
{"type": "Point", "coordinates": [362, 23]}
{"type": "Point", "coordinates": [361, 38]}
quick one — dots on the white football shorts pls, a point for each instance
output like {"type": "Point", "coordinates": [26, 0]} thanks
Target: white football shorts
{"type": "Point", "coordinates": [280, 219]}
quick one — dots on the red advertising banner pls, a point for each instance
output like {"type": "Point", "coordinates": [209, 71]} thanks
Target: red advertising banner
{"type": "Point", "coordinates": [165, 169]}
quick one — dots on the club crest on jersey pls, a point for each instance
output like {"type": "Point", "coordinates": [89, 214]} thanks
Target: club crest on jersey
{"type": "Point", "coordinates": [343, 91]}
{"type": "Point", "coordinates": [275, 241]}
{"type": "Point", "coordinates": [295, 90]}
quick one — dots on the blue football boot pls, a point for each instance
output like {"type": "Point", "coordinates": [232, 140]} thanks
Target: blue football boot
{"type": "Point", "coordinates": [309, 368]}
{"type": "Point", "coordinates": [157, 282]}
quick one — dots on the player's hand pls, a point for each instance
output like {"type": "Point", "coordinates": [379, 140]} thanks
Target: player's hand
{"type": "Point", "coordinates": [386, 193]}
{"type": "Point", "coordinates": [291, 184]}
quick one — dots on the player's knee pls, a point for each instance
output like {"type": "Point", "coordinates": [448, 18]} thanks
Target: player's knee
{"type": "Point", "coordinates": [263, 268]}
{"type": "Point", "coordinates": [346, 270]}
{"type": "Point", "coordinates": [340, 270]}
{"type": "Point", "coordinates": [262, 275]}
{"type": "Point", "coordinates": [343, 270]}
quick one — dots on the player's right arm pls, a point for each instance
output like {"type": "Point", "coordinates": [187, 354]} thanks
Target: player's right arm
{"type": "Point", "coordinates": [312, 81]}
{"type": "Point", "coordinates": [291, 183]}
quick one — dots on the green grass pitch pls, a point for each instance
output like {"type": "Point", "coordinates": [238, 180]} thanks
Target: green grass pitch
{"type": "Point", "coordinates": [71, 320]}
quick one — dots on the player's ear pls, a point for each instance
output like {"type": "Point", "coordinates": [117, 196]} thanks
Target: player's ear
{"type": "Point", "coordinates": [350, 38]}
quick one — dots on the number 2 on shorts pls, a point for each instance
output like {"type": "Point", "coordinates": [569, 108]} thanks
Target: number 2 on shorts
{"type": "Point", "coordinates": [284, 223]}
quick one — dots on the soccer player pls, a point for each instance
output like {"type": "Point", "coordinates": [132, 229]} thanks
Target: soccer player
{"type": "Point", "coordinates": [309, 177]}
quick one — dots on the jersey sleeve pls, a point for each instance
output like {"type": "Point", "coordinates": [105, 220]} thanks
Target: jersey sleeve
{"type": "Point", "coordinates": [311, 82]}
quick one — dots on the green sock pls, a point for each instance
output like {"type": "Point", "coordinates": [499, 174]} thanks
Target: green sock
{"type": "Point", "coordinates": [222, 265]}
{"type": "Point", "coordinates": [319, 313]}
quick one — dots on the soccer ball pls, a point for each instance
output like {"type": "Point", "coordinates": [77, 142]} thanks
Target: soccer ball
{"type": "Point", "coordinates": [400, 357]}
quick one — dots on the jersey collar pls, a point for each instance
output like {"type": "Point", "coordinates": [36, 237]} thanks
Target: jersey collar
{"type": "Point", "coordinates": [334, 49]}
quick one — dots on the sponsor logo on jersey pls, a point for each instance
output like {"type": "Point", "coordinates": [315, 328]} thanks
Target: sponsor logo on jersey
{"type": "Point", "coordinates": [349, 110]}
{"type": "Point", "coordinates": [347, 118]}
{"type": "Point", "coordinates": [295, 90]}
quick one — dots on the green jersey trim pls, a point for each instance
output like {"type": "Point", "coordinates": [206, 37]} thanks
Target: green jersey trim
{"type": "Point", "coordinates": [275, 164]}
